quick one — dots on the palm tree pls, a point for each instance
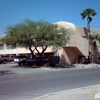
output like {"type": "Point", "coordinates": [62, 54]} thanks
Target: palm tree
{"type": "Point", "coordinates": [88, 13]}
{"type": "Point", "coordinates": [93, 38]}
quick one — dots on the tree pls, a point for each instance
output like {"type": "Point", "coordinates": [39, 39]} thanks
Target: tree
{"type": "Point", "coordinates": [88, 13]}
{"type": "Point", "coordinates": [35, 35]}
{"type": "Point", "coordinates": [93, 38]}
{"type": "Point", "coordinates": [21, 33]}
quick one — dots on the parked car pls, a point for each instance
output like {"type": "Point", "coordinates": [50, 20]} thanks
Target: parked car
{"type": "Point", "coordinates": [21, 60]}
{"type": "Point", "coordinates": [6, 58]}
{"type": "Point", "coordinates": [35, 60]}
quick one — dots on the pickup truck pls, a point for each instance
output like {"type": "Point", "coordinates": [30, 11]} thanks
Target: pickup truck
{"type": "Point", "coordinates": [6, 58]}
{"type": "Point", "coordinates": [29, 60]}
{"type": "Point", "coordinates": [35, 60]}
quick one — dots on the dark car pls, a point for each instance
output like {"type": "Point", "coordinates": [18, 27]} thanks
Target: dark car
{"type": "Point", "coordinates": [31, 60]}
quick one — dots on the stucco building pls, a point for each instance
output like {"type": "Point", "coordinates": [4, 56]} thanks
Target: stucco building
{"type": "Point", "coordinates": [72, 52]}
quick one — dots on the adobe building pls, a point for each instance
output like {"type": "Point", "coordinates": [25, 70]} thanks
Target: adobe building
{"type": "Point", "coordinates": [78, 47]}
{"type": "Point", "coordinates": [71, 53]}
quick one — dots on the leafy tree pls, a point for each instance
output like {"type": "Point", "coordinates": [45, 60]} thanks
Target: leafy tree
{"type": "Point", "coordinates": [50, 35]}
{"type": "Point", "coordinates": [36, 35]}
{"type": "Point", "coordinates": [21, 33]}
{"type": "Point", "coordinates": [93, 37]}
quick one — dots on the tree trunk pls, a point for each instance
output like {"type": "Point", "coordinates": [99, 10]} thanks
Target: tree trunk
{"type": "Point", "coordinates": [93, 51]}
{"type": "Point", "coordinates": [88, 28]}
{"type": "Point", "coordinates": [88, 32]}
{"type": "Point", "coordinates": [40, 54]}
{"type": "Point", "coordinates": [32, 52]}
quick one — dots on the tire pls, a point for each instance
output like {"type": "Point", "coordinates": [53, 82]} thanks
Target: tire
{"type": "Point", "coordinates": [24, 62]}
{"type": "Point", "coordinates": [4, 61]}
{"type": "Point", "coordinates": [19, 63]}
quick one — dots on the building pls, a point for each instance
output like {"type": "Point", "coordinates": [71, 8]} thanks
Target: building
{"type": "Point", "coordinates": [73, 52]}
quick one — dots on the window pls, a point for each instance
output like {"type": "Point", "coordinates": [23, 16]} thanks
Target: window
{"type": "Point", "coordinates": [21, 46]}
{"type": "Point", "coordinates": [10, 47]}
{"type": "Point", "coordinates": [1, 47]}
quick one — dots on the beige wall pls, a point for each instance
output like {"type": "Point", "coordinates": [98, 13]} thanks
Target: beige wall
{"type": "Point", "coordinates": [80, 42]}
{"type": "Point", "coordinates": [78, 39]}
{"type": "Point", "coordinates": [70, 56]}
{"type": "Point", "coordinates": [82, 32]}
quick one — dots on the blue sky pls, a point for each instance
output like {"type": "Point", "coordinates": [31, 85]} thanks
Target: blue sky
{"type": "Point", "coordinates": [15, 11]}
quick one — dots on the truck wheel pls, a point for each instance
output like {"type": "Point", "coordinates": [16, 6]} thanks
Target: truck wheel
{"type": "Point", "coordinates": [24, 62]}
{"type": "Point", "coordinates": [19, 63]}
{"type": "Point", "coordinates": [4, 61]}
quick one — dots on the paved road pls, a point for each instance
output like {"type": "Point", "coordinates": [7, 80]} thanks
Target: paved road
{"type": "Point", "coordinates": [26, 87]}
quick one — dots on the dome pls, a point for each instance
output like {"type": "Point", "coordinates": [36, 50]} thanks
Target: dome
{"type": "Point", "coordinates": [69, 26]}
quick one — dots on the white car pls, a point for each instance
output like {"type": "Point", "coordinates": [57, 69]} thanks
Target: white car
{"type": "Point", "coordinates": [21, 60]}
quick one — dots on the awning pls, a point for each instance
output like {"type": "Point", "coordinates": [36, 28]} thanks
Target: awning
{"type": "Point", "coordinates": [76, 50]}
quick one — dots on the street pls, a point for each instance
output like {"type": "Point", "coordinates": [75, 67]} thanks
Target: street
{"type": "Point", "coordinates": [29, 86]}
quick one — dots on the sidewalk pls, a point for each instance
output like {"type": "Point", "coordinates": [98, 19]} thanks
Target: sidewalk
{"type": "Point", "coordinates": [85, 93]}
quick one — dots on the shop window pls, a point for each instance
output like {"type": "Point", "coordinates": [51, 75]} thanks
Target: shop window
{"type": "Point", "coordinates": [1, 47]}
{"type": "Point", "coordinates": [10, 47]}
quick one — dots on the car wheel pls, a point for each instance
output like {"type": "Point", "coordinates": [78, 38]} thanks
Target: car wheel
{"type": "Point", "coordinates": [4, 61]}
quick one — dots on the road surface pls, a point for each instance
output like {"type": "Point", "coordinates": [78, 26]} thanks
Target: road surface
{"type": "Point", "coordinates": [29, 86]}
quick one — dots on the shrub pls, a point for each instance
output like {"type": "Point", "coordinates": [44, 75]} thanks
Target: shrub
{"type": "Point", "coordinates": [97, 61]}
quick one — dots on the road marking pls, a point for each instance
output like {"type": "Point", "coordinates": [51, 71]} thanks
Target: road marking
{"type": "Point", "coordinates": [55, 93]}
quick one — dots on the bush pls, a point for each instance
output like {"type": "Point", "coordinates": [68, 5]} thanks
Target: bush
{"type": "Point", "coordinates": [97, 61]}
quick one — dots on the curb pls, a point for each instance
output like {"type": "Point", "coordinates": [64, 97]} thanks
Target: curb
{"type": "Point", "coordinates": [62, 92]}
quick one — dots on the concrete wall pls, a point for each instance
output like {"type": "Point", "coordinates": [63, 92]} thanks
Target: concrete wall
{"type": "Point", "coordinates": [77, 46]}
{"type": "Point", "coordinates": [83, 32]}
{"type": "Point", "coordinates": [18, 50]}
{"type": "Point", "coordinates": [80, 42]}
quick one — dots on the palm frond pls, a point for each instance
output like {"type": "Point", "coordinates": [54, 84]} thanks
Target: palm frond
{"type": "Point", "coordinates": [94, 37]}
{"type": "Point", "coordinates": [88, 13]}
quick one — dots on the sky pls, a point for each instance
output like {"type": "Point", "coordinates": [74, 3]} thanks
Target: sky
{"type": "Point", "coordinates": [16, 11]}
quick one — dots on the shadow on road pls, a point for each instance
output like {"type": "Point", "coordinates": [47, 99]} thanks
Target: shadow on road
{"type": "Point", "coordinates": [6, 72]}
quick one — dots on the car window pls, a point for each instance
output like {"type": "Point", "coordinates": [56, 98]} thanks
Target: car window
{"type": "Point", "coordinates": [30, 57]}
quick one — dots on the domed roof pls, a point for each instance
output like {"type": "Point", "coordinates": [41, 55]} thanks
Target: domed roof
{"type": "Point", "coordinates": [67, 25]}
